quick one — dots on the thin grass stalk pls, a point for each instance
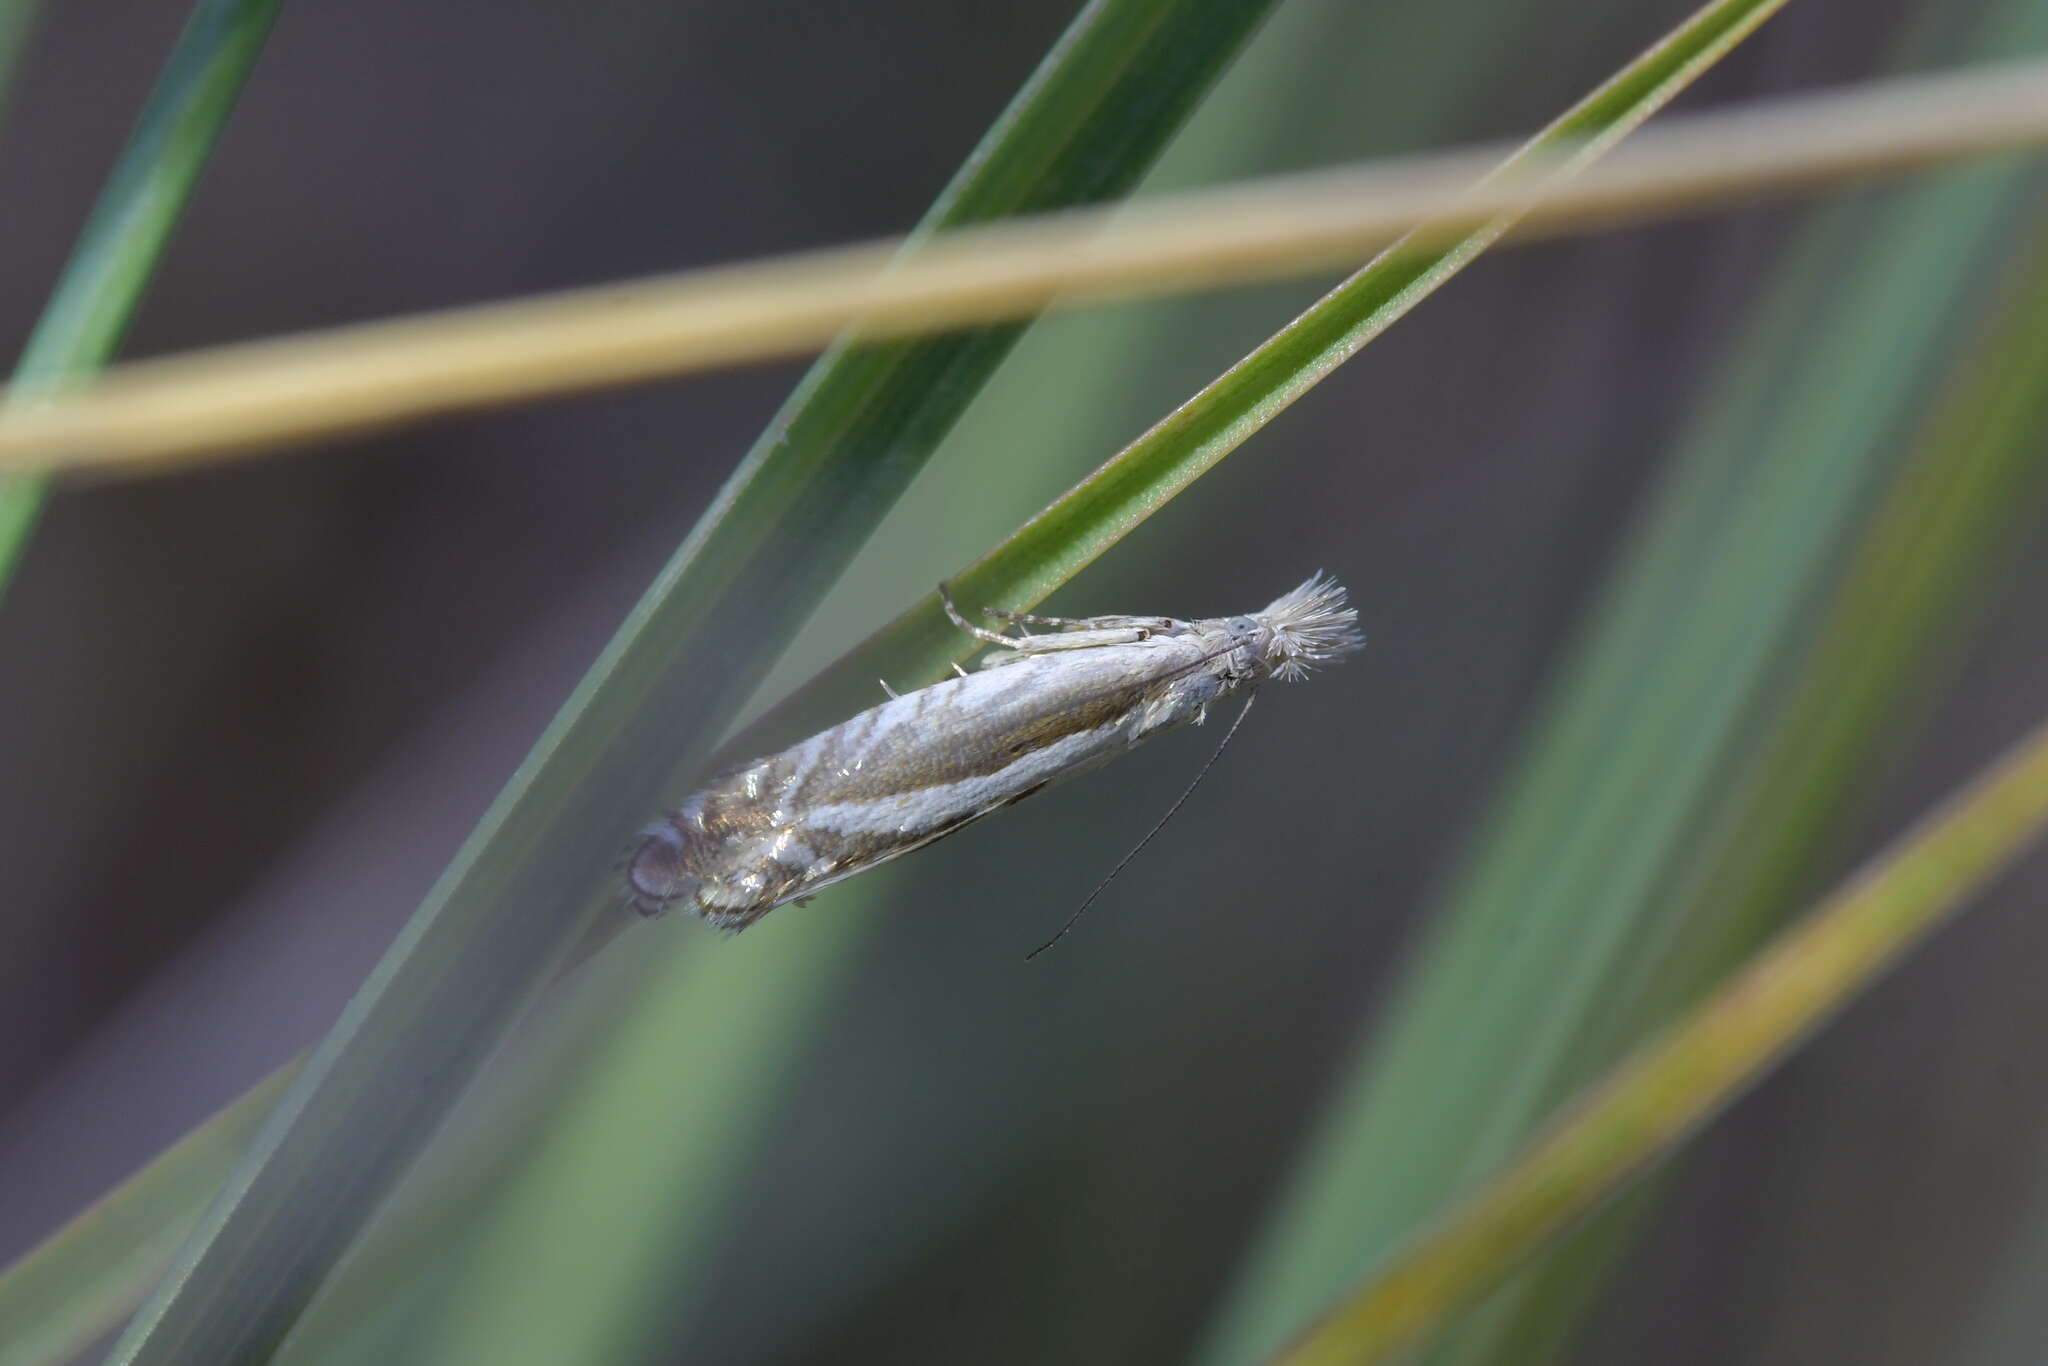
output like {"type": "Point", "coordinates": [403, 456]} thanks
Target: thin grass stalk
{"type": "Point", "coordinates": [118, 250]}
{"type": "Point", "coordinates": [533, 882]}
{"type": "Point", "coordinates": [2007, 1325]}
{"type": "Point", "coordinates": [559, 1267]}
{"type": "Point", "coordinates": [1931, 555]}
{"type": "Point", "coordinates": [416, 1252]}
{"type": "Point", "coordinates": [1828, 713]}
{"type": "Point", "coordinates": [78, 1284]}
{"type": "Point", "coordinates": [1662, 1095]}
{"type": "Point", "coordinates": [580, 1258]}
{"type": "Point", "coordinates": [255, 395]}
{"type": "Point", "coordinates": [17, 22]}
{"type": "Point", "coordinates": [1106, 506]}
{"type": "Point", "coordinates": [1632, 742]}
{"type": "Point", "coordinates": [486, 1317]}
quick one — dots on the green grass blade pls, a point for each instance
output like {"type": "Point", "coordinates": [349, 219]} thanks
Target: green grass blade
{"type": "Point", "coordinates": [583, 1258]}
{"type": "Point", "coordinates": [1650, 1104]}
{"type": "Point", "coordinates": [1932, 553]}
{"type": "Point", "coordinates": [1106, 506]}
{"type": "Point", "coordinates": [1129, 29]}
{"type": "Point", "coordinates": [235, 400]}
{"type": "Point", "coordinates": [404, 1261]}
{"type": "Point", "coordinates": [2006, 1327]}
{"type": "Point", "coordinates": [496, 1331]}
{"type": "Point", "coordinates": [80, 1283]}
{"type": "Point", "coordinates": [1630, 750]}
{"type": "Point", "coordinates": [550, 1282]}
{"type": "Point", "coordinates": [601, 1314]}
{"type": "Point", "coordinates": [17, 21]}
{"type": "Point", "coordinates": [533, 881]}
{"type": "Point", "coordinates": [1647, 83]}
{"type": "Point", "coordinates": [407, 1263]}
{"type": "Point", "coordinates": [1934, 550]}
{"type": "Point", "coordinates": [125, 236]}
{"type": "Point", "coordinates": [672, 1105]}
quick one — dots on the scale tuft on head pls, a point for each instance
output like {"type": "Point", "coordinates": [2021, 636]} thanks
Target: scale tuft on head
{"type": "Point", "coordinates": [1311, 626]}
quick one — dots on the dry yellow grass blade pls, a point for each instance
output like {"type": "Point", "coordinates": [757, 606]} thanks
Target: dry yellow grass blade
{"type": "Point", "coordinates": [208, 404]}
{"type": "Point", "coordinates": [1649, 1104]}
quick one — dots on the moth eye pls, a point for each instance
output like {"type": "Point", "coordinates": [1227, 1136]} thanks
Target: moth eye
{"type": "Point", "coordinates": [658, 874]}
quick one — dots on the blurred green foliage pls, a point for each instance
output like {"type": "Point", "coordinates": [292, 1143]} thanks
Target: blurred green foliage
{"type": "Point", "coordinates": [1667, 750]}
{"type": "Point", "coordinates": [1849, 489]}
{"type": "Point", "coordinates": [103, 283]}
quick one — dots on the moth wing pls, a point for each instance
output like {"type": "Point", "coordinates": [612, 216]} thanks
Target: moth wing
{"type": "Point", "coordinates": [931, 837]}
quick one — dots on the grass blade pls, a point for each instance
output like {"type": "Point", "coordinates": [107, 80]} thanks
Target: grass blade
{"type": "Point", "coordinates": [580, 1259]}
{"type": "Point", "coordinates": [123, 239]}
{"type": "Point", "coordinates": [533, 880]}
{"type": "Point", "coordinates": [1106, 505]}
{"type": "Point", "coordinates": [1632, 745]}
{"type": "Point", "coordinates": [1140, 479]}
{"type": "Point", "coordinates": [636, 1263]}
{"type": "Point", "coordinates": [17, 20]}
{"type": "Point", "coordinates": [238, 398]}
{"type": "Point", "coordinates": [89, 1275]}
{"type": "Point", "coordinates": [1658, 1098]}
{"type": "Point", "coordinates": [490, 1330]}
{"type": "Point", "coordinates": [1934, 550]}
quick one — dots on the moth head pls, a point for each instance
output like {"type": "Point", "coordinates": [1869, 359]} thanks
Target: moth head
{"type": "Point", "coordinates": [657, 872]}
{"type": "Point", "coordinates": [1309, 627]}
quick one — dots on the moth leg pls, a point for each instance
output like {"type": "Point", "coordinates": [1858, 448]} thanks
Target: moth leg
{"type": "Point", "coordinates": [1084, 623]}
{"type": "Point", "coordinates": [1023, 647]}
{"type": "Point", "coordinates": [978, 632]}
{"type": "Point", "coordinates": [1032, 618]}
{"type": "Point", "coordinates": [893, 694]}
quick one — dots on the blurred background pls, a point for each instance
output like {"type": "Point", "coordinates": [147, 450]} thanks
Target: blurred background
{"type": "Point", "coordinates": [246, 715]}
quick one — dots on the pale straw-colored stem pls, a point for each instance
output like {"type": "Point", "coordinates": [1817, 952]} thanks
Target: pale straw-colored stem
{"type": "Point", "coordinates": [236, 398]}
{"type": "Point", "coordinates": [1649, 1104]}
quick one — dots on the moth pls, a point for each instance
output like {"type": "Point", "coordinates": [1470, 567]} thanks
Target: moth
{"type": "Point", "coordinates": [1040, 709]}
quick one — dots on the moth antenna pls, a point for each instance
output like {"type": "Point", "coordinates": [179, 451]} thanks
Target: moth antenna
{"type": "Point", "coordinates": [1126, 859]}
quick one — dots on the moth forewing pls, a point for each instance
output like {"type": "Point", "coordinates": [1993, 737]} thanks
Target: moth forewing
{"type": "Point", "coordinates": [914, 769]}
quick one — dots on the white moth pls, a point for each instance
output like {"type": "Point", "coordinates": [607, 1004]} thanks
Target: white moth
{"type": "Point", "coordinates": [922, 765]}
